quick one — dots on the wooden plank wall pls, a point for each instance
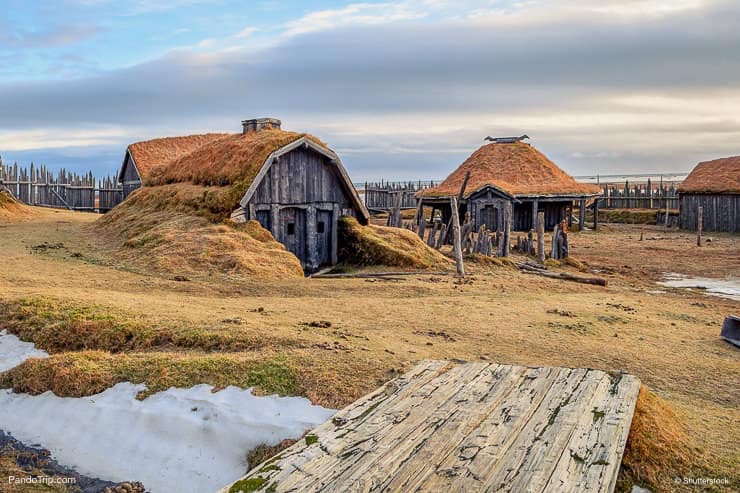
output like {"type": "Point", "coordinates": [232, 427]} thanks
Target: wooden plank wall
{"type": "Point", "coordinates": [720, 212]}
{"type": "Point", "coordinates": [470, 427]}
{"type": "Point", "coordinates": [40, 186]}
{"type": "Point", "coordinates": [381, 196]}
{"type": "Point", "coordinates": [646, 195]}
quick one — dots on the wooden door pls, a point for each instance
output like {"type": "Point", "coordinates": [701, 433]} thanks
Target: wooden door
{"type": "Point", "coordinates": [324, 230]}
{"type": "Point", "coordinates": [263, 217]}
{"type": "Point", "coordinates": [293, 232]}
{"type": "Point", "coordinates": [489, 217]}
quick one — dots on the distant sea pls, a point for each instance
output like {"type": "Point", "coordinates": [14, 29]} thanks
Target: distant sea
{"type": "Point", "coordinates": [632, 178]}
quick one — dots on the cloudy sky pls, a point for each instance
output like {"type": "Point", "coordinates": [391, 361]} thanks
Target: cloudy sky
{"type": "Point", "coordinates": [400, 89]}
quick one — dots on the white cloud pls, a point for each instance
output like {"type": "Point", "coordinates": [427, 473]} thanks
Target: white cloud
{"type": "Point", "coordinates": [358, 14]}
{"type": "Point", "coordinates": [246, 32]}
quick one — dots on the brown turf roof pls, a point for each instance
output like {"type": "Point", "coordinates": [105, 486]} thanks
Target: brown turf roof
{"type": "Point", "coordinates": [717, 176]}
{"type": "Point", "coordinates": [151, 154]}
{"type": "Point", "coordinates": [518, 169]}
{"type": "Point", "coordinates": [231, 159]}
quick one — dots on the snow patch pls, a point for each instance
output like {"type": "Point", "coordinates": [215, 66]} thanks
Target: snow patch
{"type": "Point", "coordinates": [186, 440]}
{"type": "Point", "coordinates": [13, 351]}
{"type": "Point", "coordinates": [728, 287]}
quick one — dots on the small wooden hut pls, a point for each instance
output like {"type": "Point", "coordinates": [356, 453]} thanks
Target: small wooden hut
{"type": "Point", "coordinates": [715, 187]}
{"type": "Point", "coordinates": [291, 183]}
{"type": "Point", "coordinates": [141, 158]}
{"type": "Point", "coordinates": [509, 181]}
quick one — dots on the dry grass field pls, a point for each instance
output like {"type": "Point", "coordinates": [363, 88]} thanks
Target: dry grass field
{"type": "Point", "coordinates": [105, 320]}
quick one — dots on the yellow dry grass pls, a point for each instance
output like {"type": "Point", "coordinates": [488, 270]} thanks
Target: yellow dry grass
{"type": "Point", "coordinates": [658, 448]}
{"type": "Point", "coordinates": [380, 245]}
{"type": "Point", "coordinates": [379, 328]}
{"type": "Point", "coordinates": [11, 210]}
{"type": "Point", "coordinates": [170, 229]}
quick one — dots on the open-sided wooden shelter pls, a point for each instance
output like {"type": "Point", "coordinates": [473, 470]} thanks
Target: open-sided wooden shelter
{"type": "Point", "coordinates": [291, 183]}
{"type": "Point", "coordinates": [509, 175]}
{"type": "Point", "coordinates": [715, 187]}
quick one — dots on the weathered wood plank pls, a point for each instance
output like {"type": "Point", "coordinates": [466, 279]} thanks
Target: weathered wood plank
{"type": "Point", "coordinates": [468, 427]}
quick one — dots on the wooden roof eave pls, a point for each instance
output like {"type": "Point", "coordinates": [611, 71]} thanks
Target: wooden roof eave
{"type": "Point", "coordinates": [555, 197]}
{"type": "Point", "coordinates": [328, 153]}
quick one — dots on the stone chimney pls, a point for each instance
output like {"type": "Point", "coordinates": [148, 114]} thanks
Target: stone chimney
{"type": "Point", "coordinates": [257, 124]}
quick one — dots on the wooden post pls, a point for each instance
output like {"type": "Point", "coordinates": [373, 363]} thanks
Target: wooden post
{"type": "Point", "coordinates": [456, 240]}
{"type": "Point", "coordinates": [541, 237]}
{"type": "Point", "coordinates": [397, 222]}
{"type": "Point", "coordinates": [459, 200]}
{"type": "Point", "coordinates": [582, 216]}
{"type": "Point", "coordinates": [698, 227]}
{"type": "Point", "coordinates": [596, 213]}
{"type": "Point", "coordinates": [534, 212]}
{"type": "Point", "coordinates": [422, 228]}
{"type": "Point", "coordinates": [507, 230]}
{"type": "Point", "coordinates": [666, 214]}
{"type": "Point", "coordinates": [419, 216]}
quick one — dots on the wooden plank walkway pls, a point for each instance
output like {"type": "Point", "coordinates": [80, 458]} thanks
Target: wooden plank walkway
{"type": "Point", "coordinates": [467, 427]}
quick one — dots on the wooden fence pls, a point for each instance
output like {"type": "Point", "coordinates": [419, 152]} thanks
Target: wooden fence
{"type": "Point", "coordinates": [383, 195]}
{"type": "Point", "coordinates": [64, 190]}
{"type": "Point", "coordinates": [646, 195]}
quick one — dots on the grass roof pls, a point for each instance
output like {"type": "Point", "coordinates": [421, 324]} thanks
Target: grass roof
{"type": "Point", "coordinates": [717, 176]}
{"type": "Point", "coordinates": [151, 154]}
{"type": "Point", "coordinates": [517, 168]}
{"type": "Point", "coordinates": [232, 161]}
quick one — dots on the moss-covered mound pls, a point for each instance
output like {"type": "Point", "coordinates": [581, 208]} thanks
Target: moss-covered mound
{"type": "Point", "coordinates": [379, 245]}
{"type": "Point", "coordinates": [183, 229]}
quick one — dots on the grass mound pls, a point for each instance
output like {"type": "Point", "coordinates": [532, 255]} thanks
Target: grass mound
{"type": "Point", "coordinates": [11, 209]}
{"type": "Point", "coordinates": [58, 326]}
{"type": "Point", "coordinates": [85, 373]}
{"type": "Point", "coordinates": [658, 448]}
{"type": "Point", "coordinates": [175, 229]}
{"type": "Point", "coordinates": [379, 245]}
{"type": "Point", "coordinates": [628, 216]}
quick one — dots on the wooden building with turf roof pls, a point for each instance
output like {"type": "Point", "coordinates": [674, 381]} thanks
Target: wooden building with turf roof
{"type": "Point", "coordinates": [293, 184]}
{"type": "Point", "coordinates": [141, 158]}
{"type": "Point", "coordinates": [715, 187]}
{"type": "Point", "coordinates": [509, 181]}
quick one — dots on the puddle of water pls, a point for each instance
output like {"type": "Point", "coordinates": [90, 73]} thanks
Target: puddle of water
{"type": "Point", "coordinates": [188, 440]}
{"type": "Point", "coordinates": [728, 287]}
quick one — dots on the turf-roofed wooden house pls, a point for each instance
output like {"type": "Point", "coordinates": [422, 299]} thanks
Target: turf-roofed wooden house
{"type": "Point", "coordinates": [293, 184]}
{"type": "Point", "coordinates": [715, 187]}
{"type": "Point", "coordinates": [142, 158]}
{"type": "Point", "coordinates": [509, 180]}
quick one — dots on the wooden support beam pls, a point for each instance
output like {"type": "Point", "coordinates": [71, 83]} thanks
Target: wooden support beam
{"type": "Point", "coordinates": [582, 216]}
{"type": "Point", "coordinates": [698, 225]}
{"type": "Point", "coordinates": [541, 237]}
{"type": "Point", "coordinates": [456, 240]}
{"type": "Point", "coordinates": [460, 195]}
{"type": "Point", "coordinates": [596, 214]}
